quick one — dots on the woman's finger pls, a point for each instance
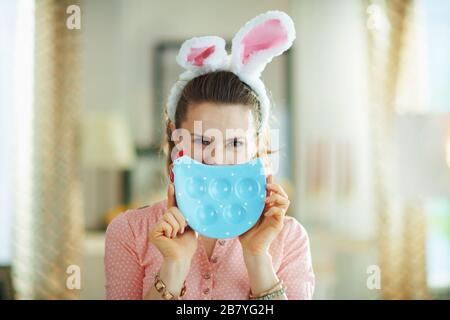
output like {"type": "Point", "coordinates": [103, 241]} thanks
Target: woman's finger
{"type": "Point", "coordinates": [275, 212]}
{"type": "Point", "coordinates": [277, 188]}
{"type": "Point", "coordinates": [168, 217]}
{"type": "Point", "coordinates": [179, 217]}
{"type": "Point", "coordinates": [278, 199]}
{"type": "Point", "coordinates": [166, 228]}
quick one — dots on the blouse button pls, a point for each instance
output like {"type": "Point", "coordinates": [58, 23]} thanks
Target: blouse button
{"type": "Point", "coordinates": [214, 259]}
{"type": "Point", "coordinates": [206, 291]}
{"type": "Point", "coordinates": [207, 276]}
{"type": "Point", "coordinates": [222, 242]}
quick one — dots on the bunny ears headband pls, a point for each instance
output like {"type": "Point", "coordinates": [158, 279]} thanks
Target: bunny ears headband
{"type": "Point", "coordinates": [253, 47]}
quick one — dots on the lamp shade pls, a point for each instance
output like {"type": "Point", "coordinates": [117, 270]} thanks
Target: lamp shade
{"type": "Point", "coordinates": [107, 142]}
{"type": "Point", "coordinates": [421, 155]}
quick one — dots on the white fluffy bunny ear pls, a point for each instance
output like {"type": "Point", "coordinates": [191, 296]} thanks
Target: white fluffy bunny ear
{"type": "Point", "coordinates": [259, 40]}
{"type": "Point", "coordinates": [202, 53]}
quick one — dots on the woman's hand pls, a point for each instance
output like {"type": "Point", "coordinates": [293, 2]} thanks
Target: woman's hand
{"type": "Point", "coordinates": [257, 240]}
{"type": "Point", "coordinates": [177, 244]}
{"type": "Point", "coordinates": [171, 235]}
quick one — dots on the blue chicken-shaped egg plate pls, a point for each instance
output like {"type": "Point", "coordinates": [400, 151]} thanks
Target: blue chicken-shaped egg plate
{"type": "Point", "coordinates": [220, 201]}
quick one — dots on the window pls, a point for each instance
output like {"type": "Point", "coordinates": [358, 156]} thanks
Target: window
{"type": "Point", "coordinates": [16, 96]}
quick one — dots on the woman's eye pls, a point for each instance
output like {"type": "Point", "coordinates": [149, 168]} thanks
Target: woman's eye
{"type": "Point", "coordinates": [202, 141]}
{"type": "Point", "coordinates": [236, 143]}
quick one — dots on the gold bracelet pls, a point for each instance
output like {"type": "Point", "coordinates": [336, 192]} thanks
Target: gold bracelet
{"type": "Point", "coordinates": [272, 295]}
{"type": "Point", "coordinates": [160, 286]}
{"type": "Point", "coordinates": [267, 292]}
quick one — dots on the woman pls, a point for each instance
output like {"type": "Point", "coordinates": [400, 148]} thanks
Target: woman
{"type": "Point", "coordinates": [151, 252]}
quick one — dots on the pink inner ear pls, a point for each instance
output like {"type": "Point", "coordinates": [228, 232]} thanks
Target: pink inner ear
{"type": "Point", "coordinates": [198, 55]}
{"type": "Point", "coordinates": [264, 36]}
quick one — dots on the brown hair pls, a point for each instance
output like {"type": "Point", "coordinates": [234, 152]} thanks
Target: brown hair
{"type": "Point", "coordinates": [217, 87]}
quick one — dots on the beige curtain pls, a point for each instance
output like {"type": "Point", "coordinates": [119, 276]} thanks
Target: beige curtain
{"type": "Point", "coordinates": [401, 222]}
{"type": "Point", "coordinates": [48, 230]}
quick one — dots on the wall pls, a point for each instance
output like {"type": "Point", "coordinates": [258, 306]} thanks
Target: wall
{"type": "Point", "coordinates": [332, 106]}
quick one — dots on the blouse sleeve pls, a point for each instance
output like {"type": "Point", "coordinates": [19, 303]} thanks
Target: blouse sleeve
{"type": "Point", "coordinates": [296, 269]}
{"type": "Point", "coordinates": [123, 270]}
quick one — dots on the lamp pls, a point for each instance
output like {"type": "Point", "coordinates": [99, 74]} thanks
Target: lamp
{"type": "Point", "coordinates": [107, 144]}
{"type": "Point", "coordinates": [423, 167]}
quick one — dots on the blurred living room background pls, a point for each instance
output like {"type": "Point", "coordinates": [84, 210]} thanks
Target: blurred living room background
{"type": "Point", "coordinates": [361, 104]}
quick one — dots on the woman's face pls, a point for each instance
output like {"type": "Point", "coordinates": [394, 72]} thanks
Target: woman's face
{"type": "Point", "coordinates": [218, 134]}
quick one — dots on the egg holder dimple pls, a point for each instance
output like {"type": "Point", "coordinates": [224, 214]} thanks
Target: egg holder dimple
{"type": "Point", "coordinates": [219, 201]}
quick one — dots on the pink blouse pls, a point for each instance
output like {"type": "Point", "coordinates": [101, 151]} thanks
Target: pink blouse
{"type": "Point", "coordinates": [131, 261]}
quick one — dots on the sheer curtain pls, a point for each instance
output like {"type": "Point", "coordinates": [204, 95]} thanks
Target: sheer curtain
{"type": "Point", "coordinates": [47, 208]}
{"type": "Point", "coordinates": [397, 61]}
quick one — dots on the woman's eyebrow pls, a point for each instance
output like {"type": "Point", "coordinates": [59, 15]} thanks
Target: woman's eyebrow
{"type": "Point", "coordinates": [209, 138]}
{"type": "Point", "coordinates": [199, 136]}
{"type": "Point", "coordinates": [235, 138]}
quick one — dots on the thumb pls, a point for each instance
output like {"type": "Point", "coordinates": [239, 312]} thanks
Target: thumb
{"type": "Point", "coordinates": [269, 180]}
{"type": "Point", "coordinates": [171, 201]}
{"type": "Point", "coordinates": [189, 228]}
